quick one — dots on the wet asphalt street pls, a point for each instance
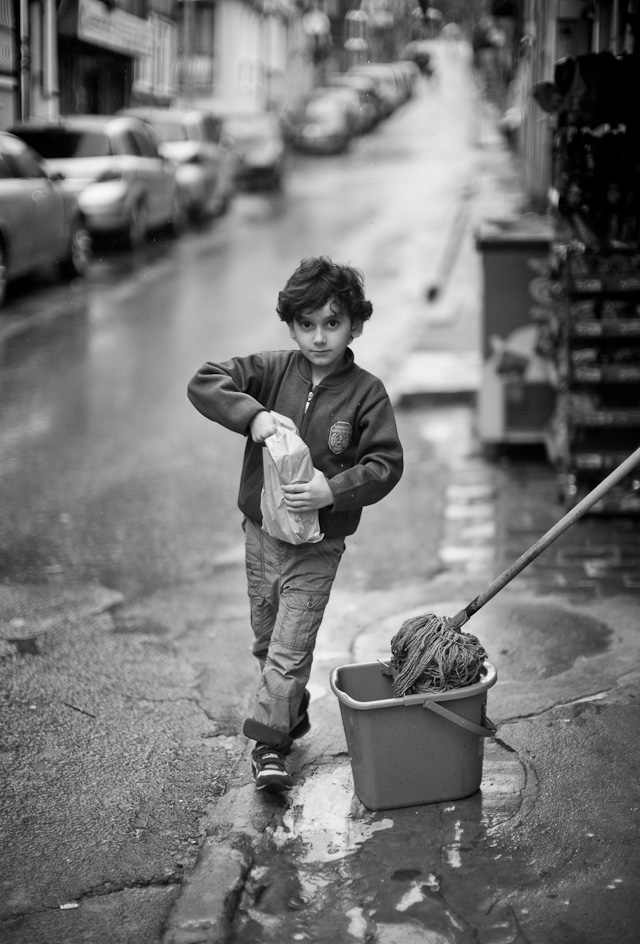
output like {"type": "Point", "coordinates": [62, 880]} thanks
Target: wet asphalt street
{"type": "Point", "coordinates": [127, 815]}
{"type": "Point", "coordinates": [124, 638]}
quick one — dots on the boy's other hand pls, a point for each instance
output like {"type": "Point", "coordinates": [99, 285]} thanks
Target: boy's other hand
{"type": "Point", "coordinates": [262, 426]}
{"type": "Point", "coordinates": [308, 496]}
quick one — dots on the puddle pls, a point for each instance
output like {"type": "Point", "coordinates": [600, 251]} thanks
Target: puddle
{"type": "Point", "coordinates": [333, 871]}
{"type": "Point", "coordinates": [326, 817]}
{"type": "Point", "coordinates": [536, 639]}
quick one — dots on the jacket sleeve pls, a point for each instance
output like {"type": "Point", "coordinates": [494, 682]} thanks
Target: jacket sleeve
{"type": "Point", "coordinates": [228, 392]}
{"type": "Point", "coordinates": [379, 460]}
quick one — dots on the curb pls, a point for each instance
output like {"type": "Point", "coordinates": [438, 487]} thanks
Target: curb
{"type": "Point", "coordinates": [210, 894]}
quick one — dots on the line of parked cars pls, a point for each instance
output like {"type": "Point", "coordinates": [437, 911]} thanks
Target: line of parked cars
{"type": "Point", "coordinates": [327, 119]}
{"type": "Point", "coordinates": [66, 182]}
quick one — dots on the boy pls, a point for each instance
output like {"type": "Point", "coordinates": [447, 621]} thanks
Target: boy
{"type": "Point", "coordinates": [345, 417]}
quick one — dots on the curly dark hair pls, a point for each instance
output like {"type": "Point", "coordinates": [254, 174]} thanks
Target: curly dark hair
{"type": "Point", "coordinates": [318, 280]}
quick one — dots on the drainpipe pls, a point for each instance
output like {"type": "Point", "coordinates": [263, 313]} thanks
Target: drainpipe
{"type": "Point", "coordinates": [50, 75]}
{"type": "Point", "coordinates": [24, 65]}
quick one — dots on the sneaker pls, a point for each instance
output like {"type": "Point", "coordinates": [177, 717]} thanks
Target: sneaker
{"type": "Point", "coordinates": [269, 771]}
{"type": "Point", "coordinates": [302, 725]}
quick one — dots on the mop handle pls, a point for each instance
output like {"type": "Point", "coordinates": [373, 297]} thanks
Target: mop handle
{"type": "Point", "coordinates": [542, 543]}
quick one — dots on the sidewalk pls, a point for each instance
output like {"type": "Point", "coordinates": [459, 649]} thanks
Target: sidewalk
{"type": "Point", "coordinates": [547, 850]}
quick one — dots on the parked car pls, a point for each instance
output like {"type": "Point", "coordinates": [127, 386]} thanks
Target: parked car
{"type": "Point", "coordinates": [419, 51]}
{"type": "Point", "coordinates": [262, 150]}
{"type": "Point", "coordinates": [410, 72]}
{"type": "Point", "coordinates": [371, 106]}
{"type": "Point", "coordinates": [113, 165]}
{"type": "Point", "coordinates": [318, 125]}
{"type": "Point", "coordinates": [40, 223]}
{"type": "Point", "coordinates": [389, 84]}
{"type": "Point", "coordinates": [196, 140]}
{"type": "Point", "coordinates": [351, 100]}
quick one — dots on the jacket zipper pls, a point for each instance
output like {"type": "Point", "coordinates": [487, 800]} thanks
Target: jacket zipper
{"type": "Point", "coordinates": [305, 418]}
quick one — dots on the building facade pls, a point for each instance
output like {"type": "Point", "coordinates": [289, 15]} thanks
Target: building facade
{"type": "Point", "coordinates": [62, 57]}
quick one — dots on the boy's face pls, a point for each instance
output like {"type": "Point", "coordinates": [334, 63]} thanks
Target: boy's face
{"type": "Point", "coordinates": [323, 336]}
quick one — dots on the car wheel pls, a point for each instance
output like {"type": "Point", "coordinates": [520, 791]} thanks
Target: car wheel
{"type": "Point", "coordinates": [79, 255]}
{"type": "Point", "coordinates": [138, 229]}
{"type": "Point", "coordinates": [3, 274]}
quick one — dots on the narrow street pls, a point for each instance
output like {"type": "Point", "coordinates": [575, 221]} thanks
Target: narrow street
{"type": "Point", "coordinates": [126, 669]}
{"type": "Point", "coordinates": [127, 813]}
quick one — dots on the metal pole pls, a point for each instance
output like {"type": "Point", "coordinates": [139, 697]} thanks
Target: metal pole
{"type": "Point", "coordinates": [51, 90]}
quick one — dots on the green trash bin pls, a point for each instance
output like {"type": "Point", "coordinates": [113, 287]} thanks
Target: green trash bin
{"type": "Point", "coordinates": [416, 749]}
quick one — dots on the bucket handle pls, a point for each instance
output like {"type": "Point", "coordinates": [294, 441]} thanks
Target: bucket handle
{"type": "Point", "coordinates": [489, 731]}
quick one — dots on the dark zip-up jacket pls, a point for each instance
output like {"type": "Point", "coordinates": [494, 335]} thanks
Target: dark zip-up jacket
{"type": "Point", "coordinates": [348, 426]}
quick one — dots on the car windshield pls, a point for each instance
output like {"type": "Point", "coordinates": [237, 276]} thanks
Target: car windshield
{"type": "Point", "coordinates": [168, 130]}
{"type": "Point", "coordinates": [58, 142]}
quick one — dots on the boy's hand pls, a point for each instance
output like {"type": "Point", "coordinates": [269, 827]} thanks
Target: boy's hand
{"type": "Point", "coordinates": [308, 496]}
{"type": "Point", "coordinates": [262, 426]}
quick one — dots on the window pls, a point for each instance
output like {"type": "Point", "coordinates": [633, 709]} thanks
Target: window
{"type": "Point", "coordinates": [128, 144]}
{"type": "Point", "coordinates": [57, 142]}
{"type": "Point", "coordinates": [27, 165]}
{"type": "Point", "coordinates": [145, 142]}
{"type": "Point", "coordinates": [6, 171]}
{"type": "Point", "coordinates": [212, 128]}
{"type": "Point", "coordinates": [169, 130]}
{"type": "Point", "coordinates": [21, 161]}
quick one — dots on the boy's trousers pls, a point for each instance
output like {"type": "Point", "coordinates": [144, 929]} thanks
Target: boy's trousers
{"type": "Point", "coordinates": [289, 588]}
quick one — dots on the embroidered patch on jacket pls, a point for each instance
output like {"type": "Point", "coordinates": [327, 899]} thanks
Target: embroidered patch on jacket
{"type": "Point", "coordinates": [340, 436]}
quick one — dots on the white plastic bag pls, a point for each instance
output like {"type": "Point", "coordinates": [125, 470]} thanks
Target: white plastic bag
{"type": "Point", "coordinates": [286, 460]}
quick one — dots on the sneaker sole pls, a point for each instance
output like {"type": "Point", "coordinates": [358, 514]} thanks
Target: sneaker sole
{"type": "Point", "coordinates": [274, 786]}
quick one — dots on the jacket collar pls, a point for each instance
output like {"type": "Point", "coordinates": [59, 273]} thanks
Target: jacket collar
{"type": "Point", "coordinates": [336, 378]}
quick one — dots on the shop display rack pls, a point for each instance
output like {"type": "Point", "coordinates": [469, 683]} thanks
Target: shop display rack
{"type": "Point", "coordinates": [590, 337]}
{"type": "Point", "coordinates": [593, 346]}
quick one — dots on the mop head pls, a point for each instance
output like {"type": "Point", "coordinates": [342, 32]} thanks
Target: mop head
{"type": "Point", "coordinates": [427, 656]}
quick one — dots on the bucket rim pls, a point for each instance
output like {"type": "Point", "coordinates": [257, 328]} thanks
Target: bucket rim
{"type": "Point", "coordinates": [490, 677]}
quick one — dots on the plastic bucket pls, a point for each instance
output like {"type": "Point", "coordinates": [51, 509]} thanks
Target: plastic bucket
{"type": "Point", "coordinates": [415, 749]}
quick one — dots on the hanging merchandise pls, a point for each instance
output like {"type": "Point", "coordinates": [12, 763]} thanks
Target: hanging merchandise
{"type": "Point", "coordinates": [596, 146]}
{"type": "Point", "coordinates": [591, 334]}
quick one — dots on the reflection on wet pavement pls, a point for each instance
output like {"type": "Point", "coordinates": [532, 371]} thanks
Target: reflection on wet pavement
{"type": "Point", "coordinates": [324, 815]}
{"type": "Point", "coordinates": [335, 872]}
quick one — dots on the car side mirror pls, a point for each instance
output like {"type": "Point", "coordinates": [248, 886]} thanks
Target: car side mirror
{"type": "Point", "coordinates": [56, 176]}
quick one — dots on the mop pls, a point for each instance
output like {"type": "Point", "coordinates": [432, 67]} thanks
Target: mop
{"type": "Point", "coordinates": [431, 653]}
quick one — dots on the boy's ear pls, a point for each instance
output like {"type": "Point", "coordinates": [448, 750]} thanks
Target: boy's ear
{"type": "Point", "coordinates": [292, 334]}
{"type": "Point", "coordinates": [356, 328]}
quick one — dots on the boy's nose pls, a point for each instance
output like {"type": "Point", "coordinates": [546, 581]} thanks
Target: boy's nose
{"type": "Point", "coordinates": [318, 337]}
